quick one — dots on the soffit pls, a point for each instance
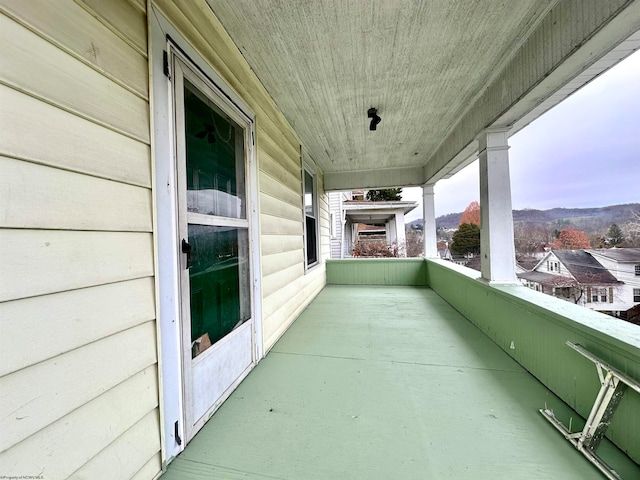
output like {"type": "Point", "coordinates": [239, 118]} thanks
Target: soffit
{"type": "Point", "coordinates": [421, 63]}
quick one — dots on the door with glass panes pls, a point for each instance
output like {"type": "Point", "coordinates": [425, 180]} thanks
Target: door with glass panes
{"type": "Point", "coordinates": [212, 149]}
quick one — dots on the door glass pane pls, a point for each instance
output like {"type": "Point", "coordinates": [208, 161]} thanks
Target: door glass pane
{"type": "Point", "coordinates": [215, 158]}
{"type": "Point", "coordinates": [219, 279]}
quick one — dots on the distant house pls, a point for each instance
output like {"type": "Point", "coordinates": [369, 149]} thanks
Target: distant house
{"type": "Point", "coordinates": [580, 277]}
{"type": "Point", "coordinates": [624, 264]}
{"type": "Point", "coordinates": [353, 219]}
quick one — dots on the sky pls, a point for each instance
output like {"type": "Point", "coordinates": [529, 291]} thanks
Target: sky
{"type": "Point", "coordinates": [584, 152]}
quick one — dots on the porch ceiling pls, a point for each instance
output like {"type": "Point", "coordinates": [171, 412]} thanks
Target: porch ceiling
{"type": "Point", "coordinates": [373, 213]}
{"type": "Point", "coordinates": [419, 63]}
{"type": "Point", "coordinates": [424, 66]}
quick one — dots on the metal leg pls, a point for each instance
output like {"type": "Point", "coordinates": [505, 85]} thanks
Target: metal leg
{"type": "Point", "coordinates": [613, 386]}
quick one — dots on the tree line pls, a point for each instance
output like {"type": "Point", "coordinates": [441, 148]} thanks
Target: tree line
{"type": "Point", "coordinates": [533, 237]}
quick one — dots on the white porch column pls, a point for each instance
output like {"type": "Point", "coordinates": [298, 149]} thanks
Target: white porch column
{"type": "Point", "coordinates": [496, 231]}
{"type": "Point", "coordinates": [429, 225]}
{"type": "Point", "coordinates": [389, 230]}
{"type": "Point", "coordinates": [401, 237]}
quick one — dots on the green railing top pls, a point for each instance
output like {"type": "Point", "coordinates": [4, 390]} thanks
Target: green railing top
{"type": "Point", "coordinates": [623, 334]}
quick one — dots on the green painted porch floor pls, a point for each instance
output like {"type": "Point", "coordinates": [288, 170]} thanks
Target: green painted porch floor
{"type": "Point", "coordinates": [386, 383]}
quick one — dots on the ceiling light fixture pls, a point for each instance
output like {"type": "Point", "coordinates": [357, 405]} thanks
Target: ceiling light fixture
{"type": "Point", "coordinates": [372, 113]}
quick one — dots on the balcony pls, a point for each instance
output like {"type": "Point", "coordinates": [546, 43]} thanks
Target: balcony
{"type": "Point", "coordinates": [415, 369]}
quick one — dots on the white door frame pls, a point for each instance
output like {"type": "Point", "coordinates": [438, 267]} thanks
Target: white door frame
{"type": "Point", "coordinates": [165, 38]}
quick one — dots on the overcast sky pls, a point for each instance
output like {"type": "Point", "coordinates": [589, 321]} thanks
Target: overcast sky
{"type": "Point", "coordinates": [584, 152]}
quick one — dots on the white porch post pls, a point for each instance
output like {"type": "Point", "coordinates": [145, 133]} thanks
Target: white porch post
{"type": "Point", "coordinates": [429, 225]}
{"type": "Point", "coordinates": [389, 230]}
{"type": "Point", "coordinates": [401, 237]}
{"type": "Point", "coordinates": [496, 232]}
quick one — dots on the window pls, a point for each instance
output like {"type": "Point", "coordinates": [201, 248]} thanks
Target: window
{"type": "Point", "coordinates": [637, 270]}
{"type": "Point", "coordinates": [636, 294]}
{"type": "Point", "coordinates": [311, 217]}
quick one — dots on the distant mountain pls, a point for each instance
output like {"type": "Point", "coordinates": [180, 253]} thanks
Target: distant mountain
{"type": "Point", "coordinates": [588, 219]}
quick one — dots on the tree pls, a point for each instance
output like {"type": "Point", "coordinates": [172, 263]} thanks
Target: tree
{"type": "Point", "coordinates": [614, 235]}
{"type": "Point", "coordinates": [414, 243]}
{"type": "Point", "coordinates": [530, 237]}
{"type": "Point", "coordinates": [466, 239]}
{"type": "Point", "coordinates": [570, 239]}
{"type": "Point", "coordinates": [385, 195]}
{"type": "Point", "coordinates": [471, 214]}
{"type": "Point", "coordinates": [374, 248]}
{"type": "Point", "coordinates": [631, 230]}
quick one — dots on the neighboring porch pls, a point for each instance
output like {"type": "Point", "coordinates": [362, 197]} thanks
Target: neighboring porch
{"type": "Point", "coordinates": [378, 222]}
{"type": "Point", "coordinates": [387, 381]}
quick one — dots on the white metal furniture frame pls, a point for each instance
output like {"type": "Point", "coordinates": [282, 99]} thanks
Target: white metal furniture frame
{"type": "Point", "coordinates": [613, 386]}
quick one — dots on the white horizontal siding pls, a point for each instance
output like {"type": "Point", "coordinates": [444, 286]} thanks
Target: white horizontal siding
{"type": "Point", "coordinates": [281, 308]}
{"type": "Point", "coordinates": [278, 262]}
{"type": "Point", "coordinates": [277, 208]}
{"type": "Point", "coordinates": [66, 24]}
{"type": "Point", "coordinates": [66, 445]}
{"type": "Point", "coordinates": [39, 262]}
{"type": "Point", "coordinates": [281, 243]}
{"type": "Point", "coordinates": [33, 130]}
{"type": "Point", "coordinates": [123, 18]}
{"type": "Point", "coordinates": [66, 200]}
{"type": "Point", "coordinates": [32, 64]}
{"type": "Point", "coordinates": [124, 457]}
{"type": "Point", "coordinates": [79, 387]}
{"type": "Point", "coordinates": [84, 315]}
{"type": "Point", "coordinates": [47, 391]}
{"type": "Point", "coordinates": [334, 208]}
{"type": "Point", "coordinates": [149, 469]}
{"type": "Point", "coordinates": [323, 221]}
{"type": "Point", "coordinates": [287, 177]}
{"type": "Point", "coordinates": [271, 186]}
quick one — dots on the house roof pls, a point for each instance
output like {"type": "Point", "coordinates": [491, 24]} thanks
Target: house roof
{"type": "Point", "coordinates": [545, 278]}
{"type": "Point", "coordinates": [584, 267]}
{"type": "Point", "coordinates": [527, 263]}
{"type": "Point", "coordinates": [622, 255]}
